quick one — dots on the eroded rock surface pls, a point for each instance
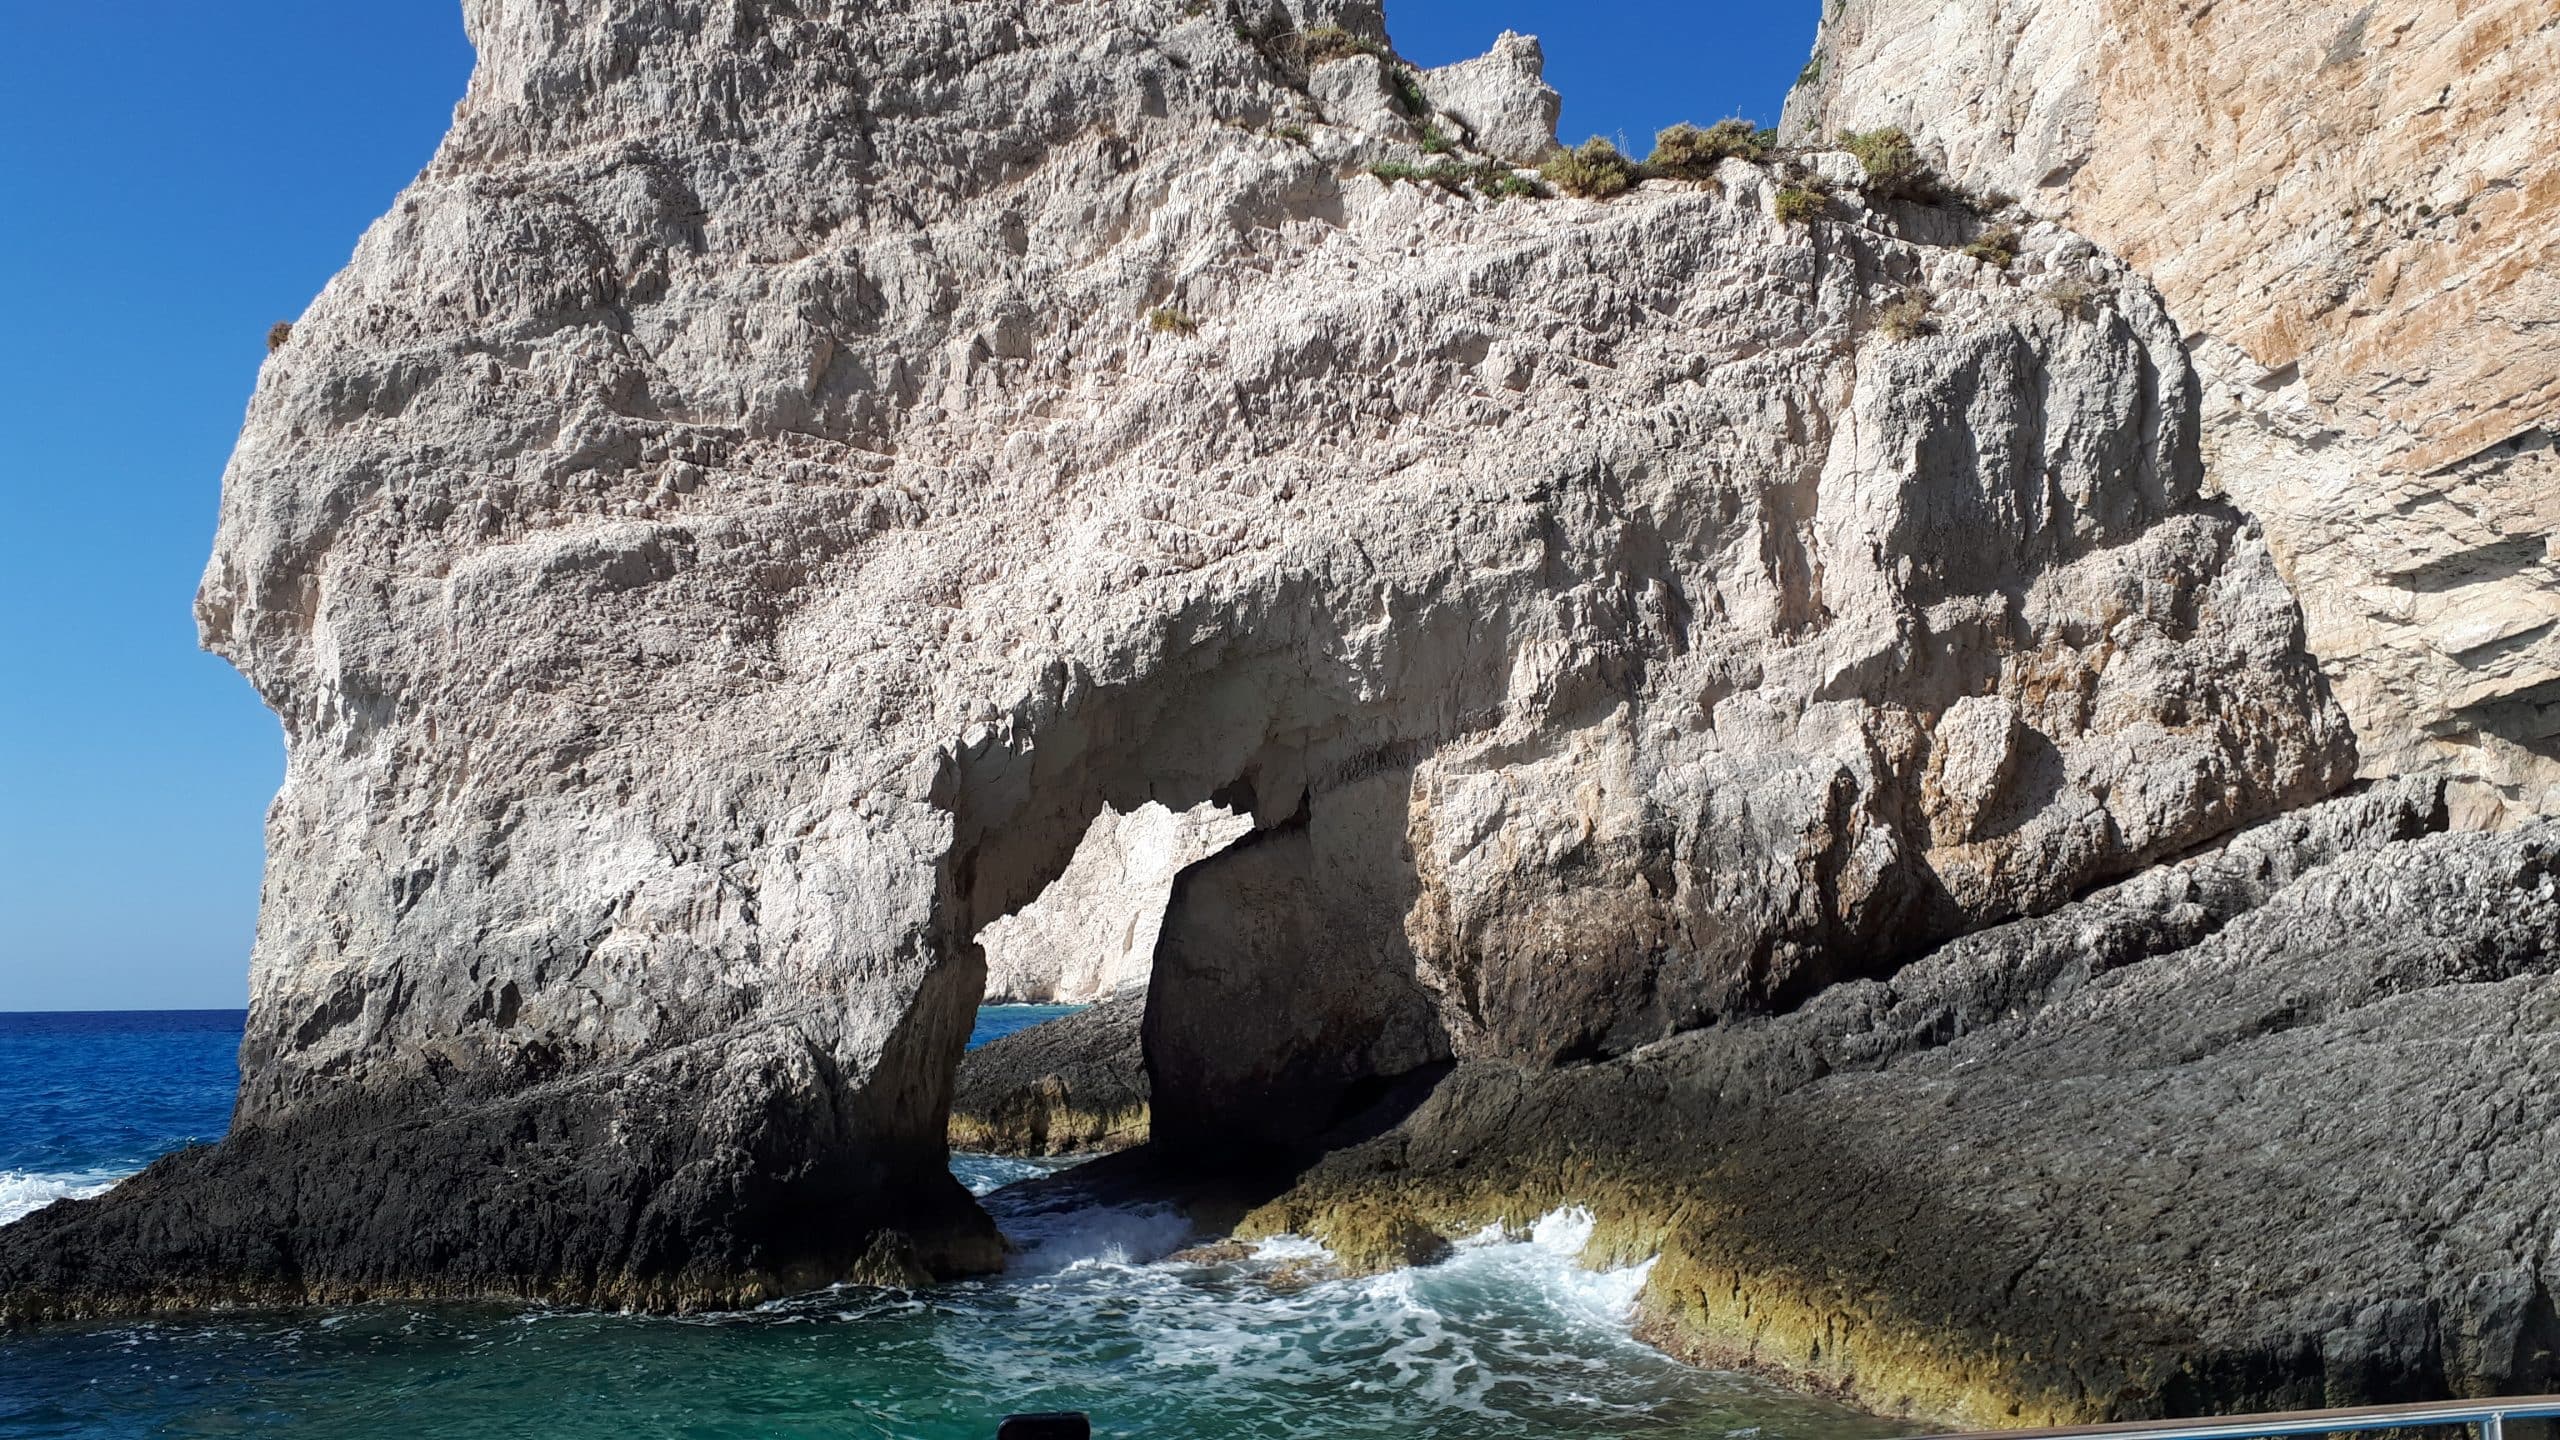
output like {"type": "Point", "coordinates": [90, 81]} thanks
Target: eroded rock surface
{"type": "Point", "coordinates": [1070, 1086]}
{"type": "Point", "coordinates": [2354, 209]}
{"type": "Point", "coordinates": [780, 473]}
{"type": "Point", "coordinates": [2267, 1129]}
{"type": "Point", "coordinates": [1092, 934]}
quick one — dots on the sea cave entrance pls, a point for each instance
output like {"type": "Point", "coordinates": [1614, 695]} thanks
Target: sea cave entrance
{"type": "Point", "coordinates": [1229, 886]}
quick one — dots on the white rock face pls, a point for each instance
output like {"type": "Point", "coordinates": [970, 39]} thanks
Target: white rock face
{"type": "Point", "coordinates": [2354, 212]}
{"type": "Point", "coordinates": [1092, 934]}
{"type": "Point", "coordinates": [781, 473]}
{"type": "Point", "coordinates": [1501, 98]}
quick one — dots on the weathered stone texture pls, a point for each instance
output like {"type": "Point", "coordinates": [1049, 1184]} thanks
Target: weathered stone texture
{"type": "Point", "coordinates": [782, 472]}
{"type": "Point", "coordinates": [1500, 101]}
{"type": "Point", "coordinates": [1069, 1086]}
{"type": "Point", "coordinates": [1092, 934]}
{"type": "Point", "coordinates": [2354, 210]}
{"type": "Point", "coordinates": [2268, 1129]}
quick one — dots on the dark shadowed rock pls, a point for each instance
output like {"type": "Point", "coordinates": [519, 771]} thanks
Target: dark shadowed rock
{"type": "Point", "coordinates": [2267, 1129]}
{"type": "Point", "coordinates": [1069, 1086]}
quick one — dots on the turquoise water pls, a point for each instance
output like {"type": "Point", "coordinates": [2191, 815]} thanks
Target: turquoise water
{"type": "Point", "coordinates": [1509, 1338]}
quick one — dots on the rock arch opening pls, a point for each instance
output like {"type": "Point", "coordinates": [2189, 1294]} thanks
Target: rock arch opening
{"type": "Point", "coordinates": [1091, 935]}
{"type": "Point", "coordinates": [1220, 858]}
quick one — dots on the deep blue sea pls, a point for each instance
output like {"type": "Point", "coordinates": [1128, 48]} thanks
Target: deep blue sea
{"type": "Point", "coordinates": [1510, 1338]}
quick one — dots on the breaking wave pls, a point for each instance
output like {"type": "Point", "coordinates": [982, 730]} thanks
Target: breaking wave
{"type": "Point", "coordinates": [23, 1193]}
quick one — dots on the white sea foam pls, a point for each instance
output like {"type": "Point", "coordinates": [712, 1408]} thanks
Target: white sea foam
{"type": "Point", "coordinates": [1279, 1249]}
{"type": "Point", "coordinates": [1474, 1335]}
{"type": "Point", "coordinates": [1105, 1235]}
{"type": "Point", "coordinates": [986, 1174]}
{"type": "Point", "coordinates": [23, 1192]}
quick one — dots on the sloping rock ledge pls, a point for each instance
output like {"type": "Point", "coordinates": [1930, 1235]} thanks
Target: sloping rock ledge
{"type": "Point", "coordinates": [2265, 1129]}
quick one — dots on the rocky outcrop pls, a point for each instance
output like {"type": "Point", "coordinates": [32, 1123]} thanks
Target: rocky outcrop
{"type": "Point", "coordinates": [1075, 1085]}
{"type": "Point", "coordinates": [2266, 1129]}
{"type": "Point", "coordinates": [1092, 934]}
{"type": "Point", "coordinates": [1499, 101]}
{"type": "Point", "coordinates": [782, 472]}
{"type": "Point", "coordinates": [2350, 208]}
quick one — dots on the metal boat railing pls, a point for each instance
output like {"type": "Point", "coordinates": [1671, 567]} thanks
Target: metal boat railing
{"type": "Point", "coordinates": [2490, 1416]}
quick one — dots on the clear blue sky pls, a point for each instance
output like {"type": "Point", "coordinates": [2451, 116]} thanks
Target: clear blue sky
{"type": "Point", "coordinates": [180, 175]}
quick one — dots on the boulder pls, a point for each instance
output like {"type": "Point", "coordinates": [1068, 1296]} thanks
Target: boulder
{"type": "Point", "coordinates": [1076, 1085]}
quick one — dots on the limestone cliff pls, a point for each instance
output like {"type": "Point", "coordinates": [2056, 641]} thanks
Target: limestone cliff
{"type": "Point", "coordinates": [2350, 207]}
{"type": "Point", "coordinates": [783, 471]}
{"type": "Point", "coordinates": [1092, 934]}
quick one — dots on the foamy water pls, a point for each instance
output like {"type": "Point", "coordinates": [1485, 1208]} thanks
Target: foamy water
{"type": "Point", "coordinates": [1509, 1336]}
{"type": "Point", "coordinates": [23, 1193]}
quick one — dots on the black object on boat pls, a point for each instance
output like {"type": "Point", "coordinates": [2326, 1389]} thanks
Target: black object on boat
{"type": "Point", "coordinates": [1057, 1425]}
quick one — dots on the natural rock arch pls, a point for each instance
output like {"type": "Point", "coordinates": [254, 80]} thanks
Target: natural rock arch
{"type": "Point", "coordinates": [734, 524]}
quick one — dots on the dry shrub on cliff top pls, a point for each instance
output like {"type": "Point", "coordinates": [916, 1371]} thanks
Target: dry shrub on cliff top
{"type": "Point", "coordinates": [1685, 152]}
{"type": "Point", "coordinates": [1893, 165]}
{"type": "Point", "coordinates": [1332, 42]}
{"type": "Point", "coordinates": [277, 334]}
{"type": "Point", "coordinates": [1593, 170]}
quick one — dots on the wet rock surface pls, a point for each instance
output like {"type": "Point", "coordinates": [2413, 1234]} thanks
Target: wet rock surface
{"type": "Point", "coordinates": [2266, 1129]}
{"type": "Point", "coordinates": [1070, 1086]}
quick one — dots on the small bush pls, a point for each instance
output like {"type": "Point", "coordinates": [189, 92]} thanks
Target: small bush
{"type": "Point", "coordinates": [1294, 134]}
{"type": "Point", "coordinates": [1408, 88]}
{"type": "Point", "coordinates": [1811, 73]}
{"type": "Point", "coordinates": [1799, 206]}
{"type": "Point", "coordinates": [1685, 152]}
{"type": "Point", "coordinates": [1906, 316]}
{"type": "Point", "coordinates": [1996, 246]}
{"type": "Point", "coordinates": [1893, 164]}
{"type": "Point", "coordinates": [1593, 170]}
{"type": "Point", "coordinates": [1165, 320]}
{"type": "Point", "coordinates": [1499, 182]}
{"type": "Point", "coordinates": [277, 334]}
{"type": "Point", "coordinates": [1435, 143]}
{"type": "Point", "coordinates": [2070, 297]}
{"type": "Point", "coordinates": [1332, 42]}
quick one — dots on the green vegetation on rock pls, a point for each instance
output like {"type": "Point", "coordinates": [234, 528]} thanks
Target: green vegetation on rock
{"type": "Point", "coordinates": [1593, 170]}
{"type": "Point", "coordinates": [1685, 152]}
{"type": "Point", "coordinates": [1799, 205]}
{"type": "Point", "coordinates": [1892, 162]}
